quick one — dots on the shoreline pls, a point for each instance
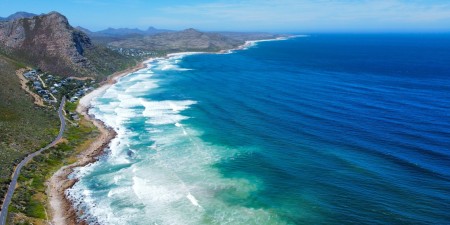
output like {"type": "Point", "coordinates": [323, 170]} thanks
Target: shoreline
{"type": "Point", "coordinates": [61, 208]}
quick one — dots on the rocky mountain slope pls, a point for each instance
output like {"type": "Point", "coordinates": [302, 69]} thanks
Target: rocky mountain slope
{"type": "Point", "coordinates": [50, 43]}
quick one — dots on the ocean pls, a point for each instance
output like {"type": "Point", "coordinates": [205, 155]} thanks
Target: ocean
{"type": "Point", "coordinates": [318, 129]}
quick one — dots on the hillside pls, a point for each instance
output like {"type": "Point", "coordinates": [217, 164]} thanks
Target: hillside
{"type": "Point", "coordinates": [50, 43]}
{"type": "Point", "coordinates": [186, 40]}
{"type": "Point", "coordinates": [24, 126]}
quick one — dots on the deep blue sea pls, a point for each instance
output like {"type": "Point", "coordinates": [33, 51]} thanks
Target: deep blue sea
{"type": "Point", "coordinates": [321, 129]}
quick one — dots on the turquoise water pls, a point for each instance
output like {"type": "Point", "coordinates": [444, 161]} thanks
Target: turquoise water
{"type": "Point", "coordinates": [323, 129]}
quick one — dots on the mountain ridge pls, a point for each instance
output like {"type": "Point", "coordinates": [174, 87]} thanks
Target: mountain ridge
{"type": "Point", "coordinates": [189, 40]}
{"type": "Point", "coordinates": [120, 32]}
{"type": "Point", "coordinates": [18, 15]}
{"type": "Point", "coordinates": [186, 40]}
{"type": "Point", "coordinates": [50, 43]}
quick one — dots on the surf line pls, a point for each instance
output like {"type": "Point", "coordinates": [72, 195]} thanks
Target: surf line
{"type": "Point", "coordinates": [189, 196]}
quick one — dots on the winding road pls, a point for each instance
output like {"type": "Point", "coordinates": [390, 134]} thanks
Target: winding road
{"type": "Point", "coordinates": [12, 185]}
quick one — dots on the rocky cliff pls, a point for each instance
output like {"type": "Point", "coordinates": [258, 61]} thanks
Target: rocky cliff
{"type": "Point", "coordinates": [50, 43]}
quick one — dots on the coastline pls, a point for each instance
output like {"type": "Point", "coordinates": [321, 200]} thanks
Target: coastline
{"type": "Point", "coordinates": [62, 211]}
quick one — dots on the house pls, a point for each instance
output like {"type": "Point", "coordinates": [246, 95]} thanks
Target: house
{"type": "Point", "coordinates": [80, 92]}
{"type": "Point", "coordinates": [27, 75]}
{"type": "Point", "coordinates": [53, 90]}
{"type": "Point", "coordinates": [73, 99]}
{"type": "Point", "coordinates": [30, 74]}
{"type": "Point", "coordinates": [75, 117]}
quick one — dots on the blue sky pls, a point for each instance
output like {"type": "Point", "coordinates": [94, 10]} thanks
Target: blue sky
{"type": "Point", "coordinates": [249, 15]}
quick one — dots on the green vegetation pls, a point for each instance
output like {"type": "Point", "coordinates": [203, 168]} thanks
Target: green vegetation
{"type": "Point", "coordinates": [70, 106]}
{"type": "Point", "coordinates": [29, 200]}
{"type": "Point", "coordinates": [103, 60]}
{"type": "Point", "coordinates": [181, 41]}
{"type": "Point", "coordinates": [107, 61]}
{"type": "Point", "coordinates": [24, 127]}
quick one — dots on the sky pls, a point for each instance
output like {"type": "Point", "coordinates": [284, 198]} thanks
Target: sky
{"type": "Point", "coordinates": [297, 16]}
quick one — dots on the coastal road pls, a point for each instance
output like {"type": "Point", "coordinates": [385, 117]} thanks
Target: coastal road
{"type": "Point", "coordinates": [12, 185]}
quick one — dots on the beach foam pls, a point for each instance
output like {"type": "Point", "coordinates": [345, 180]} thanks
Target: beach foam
{"type": "Point", "coordinates": [165, 112]}
{"type": "Point", "coordinates": [171, 63]}
{"type": "Point", "coordinates": [158, 170]}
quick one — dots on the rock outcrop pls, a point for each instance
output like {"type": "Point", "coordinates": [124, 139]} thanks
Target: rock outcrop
{"type": "Point", "coordinates": [47, 41]}
{"type": "Point", "coordinates": [50, 43]}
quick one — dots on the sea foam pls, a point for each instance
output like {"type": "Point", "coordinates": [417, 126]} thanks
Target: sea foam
{"type": "Point", "coordinates": [157, 170]}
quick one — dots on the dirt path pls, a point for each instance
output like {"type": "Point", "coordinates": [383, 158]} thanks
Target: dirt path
{"type": "Point", "coordinates": [43, 83]}
{"type": "Point", "coordinates": [82, 78]}
{"type": "Point", "coordinates": [23, 83]}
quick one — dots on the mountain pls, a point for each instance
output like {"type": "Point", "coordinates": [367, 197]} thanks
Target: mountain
{"type": "Point", "coordinates": [18, 15]}
{"type": "Point", "coordinates": [118, 32]}
{"type": "Point", "coordinates": [127, 32]}
{"type": "Point", "coordinates": [152, 30]}
{"type": "Point", "coordinates": [163, 41]}
{"type": "Point", "coordinates": [46, 41]}
{"type": "Point", "coordinates": [84, 30]}
{"type": "Point", "coordinates": [186, 40]}
{"type": "Point", "coordinates": [49, 42]}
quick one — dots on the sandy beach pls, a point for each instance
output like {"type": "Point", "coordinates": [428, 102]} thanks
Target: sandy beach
{"type": "Point", "coordinates": [61, 210]}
